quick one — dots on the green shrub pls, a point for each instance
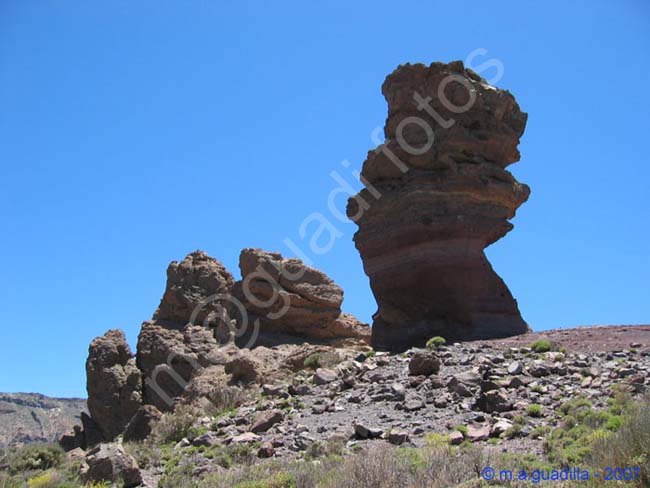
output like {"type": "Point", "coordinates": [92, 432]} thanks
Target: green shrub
{"type": "Point", "coordinates": [537, 388]}
{"type": "Point", "coordinates": [534, 410]}
{"type": "Point", "coordinates": [313, 361]}
{"type": "Point", "coordinates": [226, 398]}
{"type": "Point", "coordinates": [541, 345]}
{"type": "Point", "coordinates": [280, 480]}
{"type": "Point", "coordinates": [513, 431]}
{"type": "Point", "coordinates": [174, 426]}
{"type": "Point", "coordinates": [36, 457]}
{"type": "Point", "coordinates": [462, 429]}
{"type": "Point", "coordinates": [49, 479]}
{"type": "Point", "coordinates": [629, 445]}
{"type": "Point", "coordinates": [436, 342]}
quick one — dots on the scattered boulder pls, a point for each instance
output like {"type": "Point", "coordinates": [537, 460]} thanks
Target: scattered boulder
{"type": "Point", "coordinates": [398, 437]}
{"type": "Point", "coordinates": [445, 196]}
{"type": "Point", "coordinates": [366, 432]}
{"type": "Point", "coordinates": [245, 438]}
{"type": "Point", "coordinates": [323, 376]}
{"type": "Point", "coordinates": [456, 438]}
{"type": "Point", "coordinates": [478, 433]}
{"type": "Point", "coordinates": [263, 421]}
{"type": "Point", "coordinates": [493, 401]}
{"type": "Point", "coordinates": [424, 363]}
{"type": "Point", "coordinates": [113, 382]}
{"type": "Point", "coordinates": [501, 426]}
{"type": "Point", "coordinates": [266, 450]}
{"type": "Point", "coordinates": [515, 367]}
{"type": "Point", "coordinates": [109, 462]}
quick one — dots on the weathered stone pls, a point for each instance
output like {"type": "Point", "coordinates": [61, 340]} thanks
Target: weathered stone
{"type": "Point", "coordinates": [515, 367]}
{"type": "Point", "coordinates": [167, 364]}
{"type": "Point", "coordinates": [245, 438]}
{"type": "Point", "coordinates": [493, 401]}
{"type": "Point", "coordinates": [322, 376]}
{"type": "Point", "coordinates": [109, 462]}
{"type": "Point", "coordinates": [413, 404]}
{"type": "Point", "coordinates": [478, 433]}
{"type": "Point", "coordinates": [500, 427]}
{"type": "Point", "coordinates": [275, 391]}
{"type": "Point", "coordinates": [538, 369]}
{"type": "Point", "coordinates": [266, 450]}
{"type": "Point", "coordinates": [367, 432]}
{"type": "Point", "coordinates": [290, 298]}
{"type": "Point", "coordinates": [456, 438]}
{"type": "Point", "coordinates": [113, 382]}
{"type": "Point", "coordinates": [263, 421]}
{"type": "Point", "coordinates": [424, 363]}
{"type": "Point", "coordinates": [398, 437]}
{"type": "Point", "coordinates": [207, 440]}
{"type": "Point", "coordinates": [197, 290]}
{"type": "Point", "coordinates": [140, 425]}
{"type": "Point", "coordinates": [445, 196]}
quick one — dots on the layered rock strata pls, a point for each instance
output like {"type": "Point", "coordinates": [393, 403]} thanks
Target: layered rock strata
{"type": "Point", "coordinates": [291, 299]}
{"type": "Point", "coordinates": [437, 194]}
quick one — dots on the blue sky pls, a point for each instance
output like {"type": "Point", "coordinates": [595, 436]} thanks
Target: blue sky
{"type": "Point", "coordinates": [132, 133]}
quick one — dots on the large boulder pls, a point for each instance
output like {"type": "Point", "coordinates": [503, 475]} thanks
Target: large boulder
{"type": "Point", "coordinates": [291, 299]}
{"type": "Point", "coordinates": [109, 462]}
{"type": "Point", "coordinates": [113, 382]}
{"type": "Point", "coordinates": [437, 193]}
{"type": "Point", "coordinates": [197, 289]}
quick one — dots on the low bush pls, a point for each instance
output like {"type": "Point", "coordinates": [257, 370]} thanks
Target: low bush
{"type": "Point", "coordinates": [35, 457]}
{"type": "Point", "coordinates": [629, 446]}
{"type": "Point", "coordinates": [174, 426]}
{"type": "Point", "coordinates": [436, 342]}
{"type": "Point", "coordinates": [226, 398]}
{"type": "Point", "coordinates": [541, 345]}
{"type": "Point", "coordinates": [313, 361]}
{"type": "Point", "coordinates": [534, 410]}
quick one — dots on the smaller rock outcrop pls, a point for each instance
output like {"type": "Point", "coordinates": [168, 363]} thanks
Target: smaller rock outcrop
{"type": "Point", "coordinates": [113, 383]}
{"type": "Point", "coordinates": [191, 284]}
{"type": "Point", "coordinates": [290, 298]}
{"type": "Point", "coordinates": [167, 364]}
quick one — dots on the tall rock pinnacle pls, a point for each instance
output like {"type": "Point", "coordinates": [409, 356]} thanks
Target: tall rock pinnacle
{"type": "Point", "coordinates": [437, 194]}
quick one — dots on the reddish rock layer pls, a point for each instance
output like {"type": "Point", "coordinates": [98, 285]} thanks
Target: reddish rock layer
{"type": "Point", "coordinates": [436, 195]}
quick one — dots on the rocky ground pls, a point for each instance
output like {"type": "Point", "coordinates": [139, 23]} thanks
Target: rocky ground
{"type": "Point", "coordinates": [502, 394]}
{"type": "Point", "coordinates": [505, 396]}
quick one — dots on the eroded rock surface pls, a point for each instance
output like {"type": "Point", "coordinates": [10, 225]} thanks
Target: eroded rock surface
{"type": "Point", "coordinates": [113, 383]}
{"type": "Point", "coordinates": [290, 298]}
{"type": "Point", "coordinates": [437, 193]}
{"type": "Point", "coordinates": [198, 284]}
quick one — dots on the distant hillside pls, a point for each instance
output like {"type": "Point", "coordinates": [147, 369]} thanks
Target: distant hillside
{"type": "Point", "coordinates": [32, 417]}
